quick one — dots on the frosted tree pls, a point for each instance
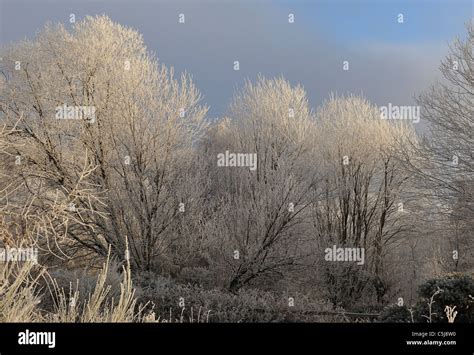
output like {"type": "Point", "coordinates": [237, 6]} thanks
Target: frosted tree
{"type": "Point", "coordinates": [257, 227]}
{"type": "Point", "coordinates": [105, 134]}
{"type": "Point", "coordinates": [365, 195]}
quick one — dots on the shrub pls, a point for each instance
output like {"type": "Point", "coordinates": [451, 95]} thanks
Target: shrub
{"type": "Point", "coordinates": [456, 290]}
{"type": "Point", "coordinates": [395, 314]}
{"type": "Point", "coordinates": [247, 305]}
{"type": "Point", "coordinates": [452, 290]}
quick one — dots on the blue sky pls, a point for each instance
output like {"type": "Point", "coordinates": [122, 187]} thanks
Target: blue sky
{"type": "Point", "coordinates": [389, 62]}
{"type": "Point", "coordinates": [372, 20]}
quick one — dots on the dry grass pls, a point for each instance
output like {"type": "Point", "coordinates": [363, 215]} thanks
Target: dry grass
{"type": "Point", "coordinates": [20, 298]}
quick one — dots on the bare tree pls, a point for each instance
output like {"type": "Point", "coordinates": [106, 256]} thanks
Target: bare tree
{"type": "Point", "coordinates": [443, 160]}
{"type": "Point", "coordinates": [449, 109]}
